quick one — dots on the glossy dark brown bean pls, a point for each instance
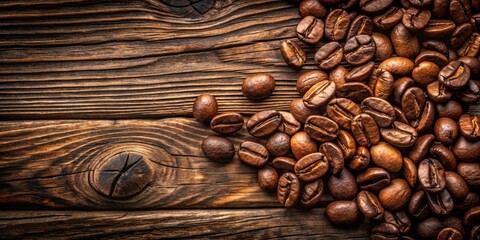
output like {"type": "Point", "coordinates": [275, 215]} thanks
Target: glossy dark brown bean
{"type": "Point", "coordinates": [346, 142]}
{"type": "Point", "coordinates": [293, 54]}
{"type": "Point", "coordinates": [278, 144]}
{"type": "Point", "coordinates": [472, 63]}
{"type": "Point", "coordinates": [218, 148]}
{"type": "Point", "coordinates": [451, 109]}
{"type": "Point", "coordinates": [420, 3]}
{"type": "Point", "coordinates": [380, 110]}
{"type": "Point", "coordinates": [416, 19]}
{"type": "Point", "coordinates": [400, 219]}
{"type": "Point", "coordinates": [302, 145]}
{"type": "Point", "coordinates": [289, 124]}
{"type": "Point", "coordinates": [360, 73]}
{"type": "Point", "coordinates": [455, 75]}
{"type": "Point", "coordinates": [288, 189]}
{"type": "Point", "coordinates": [425, 121]}
{"type": "Point", "coordinates": [381, 82]}
{"type": "Point", "coordinates": [413, 102]}
{"type": "Point", "coordinates": [374, 6]}
{"type": "Point", "coordinates": [405, 43]}
{"type": "Point", "coordinates": [321, 128]}
{"type": "Point", "coordinates": [258, 86]}
{"type": "Point", "coordinates": [264, 123]}
{"type": "Point", "coordinates": [308, 79]}
{"type": "Point", "coordinates": [440, 8]}
{"type": "Point", "coordinates": [267, 178]}
{"type": "Point", "coordinates": [369, 205]}
{"type": "Point", "coordinates": [441, 203]}
{"type": "Point", "coordinates": [472, 200]}
{"type": "Point", "coordinates": [312, 193]}
{"type": "Point", "coordinates": [299, 111]}
{"type": "Point", "coordinates": [360, 25]}
{"type": "Point", "coordinates": [395, 195]}
{"type": "Point", "coordinates": [312, 8]}
{"type": "Point", "coordinates": [444, 155]}
{"type": "Point", "coordinates": [387, 157]}
{"type": "Point", "coordinates": [389, 18]}
{"type": "Point", "coordinates": [438, 92]}
{"type": "Point", "coordinates": [342, 111]}
{"type": "Point", "coordinates": [435, 45]}
{"type": "Point", "coordinates": [418, 205]}
{"type": "Point", "coordinates": [410, 172]}
{"type": "Point", "coordinates": [336, 25]}
{"type": "Point", "coordinates": [385, 231]}
{"type": "Point", "coordinates": [439, 28]}
{"type": "Point", "coordinates": [285, 164]}
{"type": "Point", "coordinates": [342, 186]}
{"type": "Point", "coordinates": [432, 56]}
{"type": "Point", "coordinates": [474, 233]}
{"type": "Point", "coordinates": [311, 167]}
{"type": "Point", "coordinates": [359, 49]}
{"type": "Point", "coordinates": [400, 134]}
{"type": "Point", "coordinates": [431, 175]}
{"type": "Point", "coordinates": [429, 228]}
{"type": "Point", "coordinates": [461, 34]}
{"type": "Point", "coordinates": [425, 73]}
{"type": "Point", "coordinates": [342, 213]}
{"type": "Point", "coordinates": [354, 91]}
{"type": "Point", "coordinates": [449, 234]}
{"type": "Point", "coordinates": [472, 217]}
{"type": "Point", "coordinates": [361, 159]}
{"type": "Point", "coordinates": [460, 11]}
{"type": "Point", "coordinates": [365, 130]}
{"type": "Point", "coordinates": [446, 130]}
{"type": "Point", "coordinates": [470, 172]}
{"type": "Point", "coordinates": [397, 65]}
{"type": "Point", "coordinates": [469, 94]}
{"type": "Point", "coordinates": [319, 94]}
{"type": "Point", "coordinates": [334, 155]}
{"type": "Point", "coordinates": [400, 86]}
{"type": "Point", "coordinates": [373, 179]}
{"type": "Point", "coordinates": [384, 47]}
{"type": "Point", "coordinates": [421, 147]}
{"type": "Point", "coordinates": [252, 153]}
{"type": "Point", "coordinates": [456, 186]}
{"type": "Point", "coordinates": [471, 46]}
{"type": "Point", "coordinates": [310, 30]}
{"type": "Point", "coordinates": [329, 55]}
{"type": "Point", "coordinates": [227, 123]}
{"type": "Point", "coordinates": [205, 108]}
{"type": "Point", "coordinates": [469, 126]}
{"type": "Point", "coordinates": [338, 75]}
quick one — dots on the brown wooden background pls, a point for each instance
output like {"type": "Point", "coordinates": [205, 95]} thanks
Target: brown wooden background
{"type": "Point", "coordinates": [82, 80]}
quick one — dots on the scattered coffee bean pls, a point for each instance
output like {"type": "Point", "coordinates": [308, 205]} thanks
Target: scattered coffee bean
{"type": "Point", "coordinates": [205, 108]}
{"type": "Point", "coordinates": [218, 148]}
{"type": "Point", "coordinates": [258, 86]}
{"type": "Point", "coordinates": [293, 54]}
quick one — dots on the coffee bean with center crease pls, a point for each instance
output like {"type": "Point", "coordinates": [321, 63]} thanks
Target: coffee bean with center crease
{"type": "Point", "coordinates": [365, 130]}
{"type": "Point", "coordinates": [374, 6]}
{"type": "Point", "coordinates": [319, 94]}
{"type": "Point", "coordinates": [455, 75]}
{"type": "Point", "coordinates": [293, 54]}
{"type": "Point", "coordinates": [413, 102]}
{"type": "Point", "coordinates": [456, 186]}
{"type": "Point", "coordinates": [329, 55]}
{"type": "Point", "coordinates": [387, 157]}
{"type": "Point", "coordinates": [312, 8]}
{"type": "Point", "coordinates": [418, 205]}
{"type": "Point", "coordinates": [342, 213]}
{"type": "Point", "coordinates": [285, 164]}
{"type": "Point", "coordinates": [400, 134]}
{"type": "Point", "coordinates": [354, 91]}
{"type": "Point", "coordinates": [416, 19]}
{"type": "Point", "coordinates": [360, 73]}
{"type": "Point", "coordinates": [431, 175]}
{"type": "Point", "coordinates": [438, 92]}
{"type": "Point", "coordinates": [472, 217]}
{"type": "Point", "coordinates": [369, 205]}
{"type": "Point", "coordinates": [469, 126]}
{"type": "Point", "coordinates": [346, 142]}
{"type": "Point", "coordinates": [312, 192]}
{"type": "Point", "coordinates": [471, 46]}
{"type": "Point", "coordinates": [439, 28]}
{"type": "Point", "coordinates": [381, 82]}
{"type": "Point", "coordinates": [383, 46]}
{"type": "Point", "coordinates": [373, 179]}
{"type": "Point", "coordinates": [440, 8]}
{"type": "Point", "coordinates": [336, 25]}
{"type": "Point", "coordinates": [227, 123]}
{"type": "Point", "coordinates": [385, 231]}
{"type": "Point", "coordinates": [310, 30]}
{"type": "Point", "coordinates": [278, 144]}
{"type": "Point", "coordinates": [461, 34]}
{"type": "Point", "coordinates": [380, 110]}
{"type": "Point", "coordinates": [267, 178]}
{"type": "Point", "coordinates": [400, 219]}
{"type": "Point", "coordinates": [205, 108]}
{"type": "Point", "coordinates": [406, 44]}
{"type": "Point", "coordinates": [342, 186]}
{"type": "Point", "coordinates": [441, 203]}
{"type": "Point", "coordinates": [308, 79]}
{"type": "Point", "coordinates": [311, 167]}
{"type": "Point", "coordinates": [444, 155]}
{"type": "Point", "coordinates": [399, 115]}
{"type": "Point", "coordinates": [264, 123]}
{"type": "Point", "coordinates": [288, 189]}
{"type": "Point", "coordinates": [472, 63]}
{"type": "Point", "coordinates": [334, 155]}
{"type": "Point", "coordinates": [218, 148]}
{"type": "Point", "coordinates": [388, 19]}
{"type": "Point", "coordinates": [360, 25]}
{"type": "Point", "coordinates": [421, 147]}
{"type": "Point", "coordinates": [359, 49]}
{"type": "Point", "coordinates": [398, 65]}
{"type": "Point", "coordinates": [302, 145]}
{"type": "Point", "coordinates": [361, 160]}
{"type": "Point", "coordinates": [321, 128]}
{"type": "Point", "coordinates": [342, 111]}
{"type": "Point", "coordinates": [449, 234]}
{"type": "Point", "coordinates": [425, 121]}
{"type": "Point", "coordinates": [289, 124]}
{"type": "Point", "coordinates": [252, 153]}
{"type": "Point", "coordinates": [460, 11]}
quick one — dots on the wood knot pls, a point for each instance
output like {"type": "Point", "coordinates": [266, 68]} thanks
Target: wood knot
{"type": "Point", "coordinates": [122, 176]}
{"type": "Point", "coordinates": [192, 9]}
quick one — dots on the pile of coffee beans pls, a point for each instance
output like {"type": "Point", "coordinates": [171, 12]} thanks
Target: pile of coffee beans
{"type": "Point", "coordinates": [381, 125]}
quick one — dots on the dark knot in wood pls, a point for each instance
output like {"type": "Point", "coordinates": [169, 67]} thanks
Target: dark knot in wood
{"type": "Point", "coordinates": [200, 6]}
{"type": "Point", "coordinates": [124, 175]}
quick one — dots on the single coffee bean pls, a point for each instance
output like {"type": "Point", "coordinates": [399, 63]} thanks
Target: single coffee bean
{"type": "Point", "coordinates": [451, 109]}
{"type": "Point", "coordinates": [336, 25]}
{"type": "Point", "coordinates": [469, 94]}
{"type": "Point", "coordinates": [384, 47]}
{"type": "Point", "coordinates": [359, 49]}
{"type": "Point", "coordinates": [426, 119]}
{"type": "Point", "coordinates": [342, 186]}
{"type": "Point", "coordinates": [321, 128]}
{"type": "Point", "coordinates": [439, 28]}
{"type": "Point", "coordinates": [400, 134]}
{"type": "Point", "coordinates": [311, 167]}
{"type": "Point", "coordinates": [396, 195]}
{"type": "Point", "coordinates": [387, 157]}
{"type": "Point", "coordinates": [405, 43]}
{"type": "Point", "coordinates": [400, 219]}
{"type": "Point", "coordinates": [361, 24]}
{"type": "Point", "coordinates": [471, 46]}
{"type": "Point", "coordinates": [453, 222]}
{"type": "Point", "coordinates": [218, 148]}
{"type": "Point", "coordinates": [460, 11]}
{"type": "Point", "coordinates": [369, 205]}
{"type": "Point", "coordinates": [472, 200]}
{"type": "Point", "coordinates": [455, 75]}
{"type": "Point", "coordinates": [416, 19]}
{"type": "Point", "coordinates": [410, 172]}
{"type": "Point", "coordinates": [346, 142]}
{"type": "Point", "coordinates": [354, 91]}
{"type": "Point", "coordinates": [388, 19]}
{"type": "Point", "coordinates": [400, 116]}
{"type": "Point", "coordinates": [334, 155]}
{"type": "Point", "coordinates": [365, 130]}
{"type": "Point", "coordinates": [425, 73]}
{"type": "Point", "coordinates": [258, 86]}
{"type": "Point", "coordinates": [319, 94]}
{"type": "Point", "coordinates": [278, 144]}
{"type": "Point", "coordinates": [413, 102]}
{"type": "Point", "coordinates": [360, 73]}
{"type": "Point", "coordinates": [440, 203]}
{"type": "Point", "coordinates": [446, 130]}
{"type": "Point", "coordinates": [361, 159]}
{"type": "Point", "coordinates": [302, 145]}
{"type": "Point", "coordinates": [472, 217]}
{"type": "Point", "coordinates": [338, 76]}
{"type": "Point", "coordinates": [342, 111]}
{"type": "Point", "coordinates": [397, 65]}
{"type": "Point", "coordinates": [461, 34]}
{"type": "Point", "coordinates": [267, 178]}
{"type": "Point", "coordinates": [449, 234]}
{"type": "Point", "coordinates": [308, 79]}
{"type": "Point", "coordinates": [380, 110]}
{"type": "Point", "coordinates": [312, 192]}
{"type": "Point", "coordinates": [456, 186]}
{"type": "Point", "coordinates": [444, 155]}
{"type": "Point", "coordinates": [329, 55]}
{"type": "Point", "coordinates": [342, 213]}
{"type": "Point", "coordinates": [438, 92]}
{"type": "Point", "coordinates": [289, 124]}
{"type": "Point", "coordinates": [205, 108]}
{"type": "Point", "coordinates": [435, 45]}
{"type": "Point", "coordinates": [252, 153]}
{"type": "Point", "coordinates": [381, 83]}
{"type": "Point", "coordinates": [432, 56]}
{"type": "Point", "coordinates": [374, 6]}
{"type": "Point", "coordinates": [400, 86]}
{"type": "Point", "coordinates": [429, 228]}
{"type": "Point", "coordinates": [470, 172]}
{"type": "Point", "coordinates": [373, 179]}
{"type": "Point", "coordinates": [264, 123]}
{"type": "Point", "coordinates": [227, 123]}
{"type": "Point", "coordinates": [285, 164]}
{"type": "Point", "coordinates": [385, 231]}
{"type": "Point", "coordinates": [418, 205]}
{"type": "Point", "coordinates": [440, 8]}
{"type": "Point", "coordinates": [469, 126]}
{"type": "Point", "coordinates": [421, 147]}
{"type": "Point", "coordinates": [431, 175]}
{"type": "Point", "coordinates": [312, 8]}
{"type": "Point", "coordinates": [310, 30]}
{"type": "Point", "coordinates": [293, 54]}
{"type": "Point", "coordinates": [288, 189]}
{"type": "Point", "coordinates": [299, 111]}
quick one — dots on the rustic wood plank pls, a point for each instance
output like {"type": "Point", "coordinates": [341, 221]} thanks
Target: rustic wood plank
{"type": "Point", "coordinates": [173, 224]}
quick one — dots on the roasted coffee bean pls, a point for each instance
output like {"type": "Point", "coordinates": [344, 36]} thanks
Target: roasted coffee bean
{"type": "Point", "coordinates": [218, 148]}
{"type": "Point", "coordinates": [440, 203]}
{"type": "Point", "coordinates": [416, 19]}
{"type": "Point", "coordinates": [451, 109]}
{"type": "Point", "coordinates": [395, 195]}
{"type": "Point", "coordinates": [289, 124]}
{"type": "Point", "coordinates": [360, 73]}
{"type": "Point", "coordinates": [438, 92]}
{"type": "Point", "coordinates": [425, 121]}
{"type": "Point", "coordinates": [354, 91]}
{"type": "Point", "coordinates": [397, 65]}
{"type": "Point", "coordinates": [369, 205]}
{"type": "Point", "coordinates": [278, 144]}
{"type": "Point", "coordinates": [469, 94]}
{"type": "Point", "coordinates": [381, 83]}
{"type": "Point", "coordinates": [439, 28]}
{"type": "Point", "coordinates": [410, 172]}
{"type": "Point", "coordinates": [299, 111]}
{"type": "Point", "coordinates": [453, 222]}
{"type": "Point", "coordinates": [258, 86]}
{"type": "Point", "coordinates": [342, 111]}
{"type": "Point", "coordinates": [252, 153]}
{"type": "Point", "coordinates": [470, 172]}
{"type": "Point", "coordinates": [405, 43]}
{"type": "Point", "coordinates": [374, 6]}
{"type": "Point", "coordinates": [342, 186]}
{"type": "Point", "coordinates": [312, 192]}
{"type": "Point", "coordinates": [474, 233]}
{"type": "Point", "coordinates": [472, 200]}
{"type": "Point", "coordinates": [432, 56]}
{"type": "Point", "coordinates": [400, 134]}
{"type": "Point", "coordinates": [446, 130]}
{"type": "Point", "coordinates": [360, 25]}
{"type": "Point", "coordinates": [346, 142]}
{"type": "Point", "coordinates": [336, 25]}
{"type": "Point", "coordinates": [413, 102]}
{"type": "Point", "coordinates": [329, 55]}
{"type": "Point", "coordinates": [342, 213]}
{"type": "Point", "coordinates": [365, 130]}
{"type": "Point", "coordinates": [418, 205]}
{"type": "Point", "coordinates": [359, 49]}
{"type": "Point", "coordinates": [472, 63]}
{"type": "Point", "coordinates": [475, 21]}
{"type": "Point", "coordinates": [205, 108]}
{"type": "Point", "coordinates": [302, 145]}
{"type": "Point", "coordinates": [429, 228]}
{"type": "Point", "coordinates": [312, 8]}
{"type": "Point", "coordinates": [466, 150]}
{"type": "Point", "coordinates": [431, 175]}
{"type": "Point", "coordinates": [461, 34]}
{"type": "Point", "coordinates": [319, 94]}
{"type": "Point", "coordinates": [264, 123]}
{"type": "Point", "coordinates": [440, 8]}
{"type": "Point", "coordinates": [383, 46]}
{"type": "Point", "coordinates": [469, 126]}
{"type": "Point", "coordinates": [444, 155]}
{"type": "Point", "coordinates": [387, 157]}
{"type": "Point", "coordinates": [472, 217]}
{"type": "Point", "coordinates": [420, 3]}
{"type": "Point", "coordinates": [449, 234]}
{"type": "Point", "coordinates": [361, 159]}
{"type": "Point", "coordinates": [456, 186]}
{"type": "Point", "coordinates": [267, 178]}
{"type": "Point", "coordinates": [380, 110]}
{"type": "Point", "coordinates": [288, 189]}
{"type": "Point", "coordinates": [388, 19]}
{"type": "Point", "coordinates": [471, 46]}
{"type": "Point", "coordinates": [460, 11]}
{"type": "Point", "coordinates": [334, 155]}
{"type": "Point", "coordinates": [421, 147]}
{"type": "Point", "coordinates": [455, 75]}
{"type": "Point", "coordinates": [425, 73]}
{"type": "Point", "coordinates": [285, 164]}
{"type": "Point", "coordinates": [435, 45]}
{"type": "Point", "coordinates": [227, 123]}
{"type": "Point", "coordinates": [373, 179]}
{"type": "Point", "coordinates": [400, 219]}
{"type": "Point", "coordinates": [293, 54]}
{"type": "Point", "coordinates": [400, 86]}
{"type": "Point", "coordinates": [310, 30]}
{"type": "Point", "coordinates": [338, 76]}
{"type": "Point", "coordinates": [321, 128]}
{"type": "Point", "coordinates": [347, 4]}
{"type": "Point", "coordinates": [400, 116]}
{"type": "Point", "coordinates": [308, 79]}
{"type": "Point", "coordinates": [385, 231]}
{"type": "Point", "coordinates": [311, 167]}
